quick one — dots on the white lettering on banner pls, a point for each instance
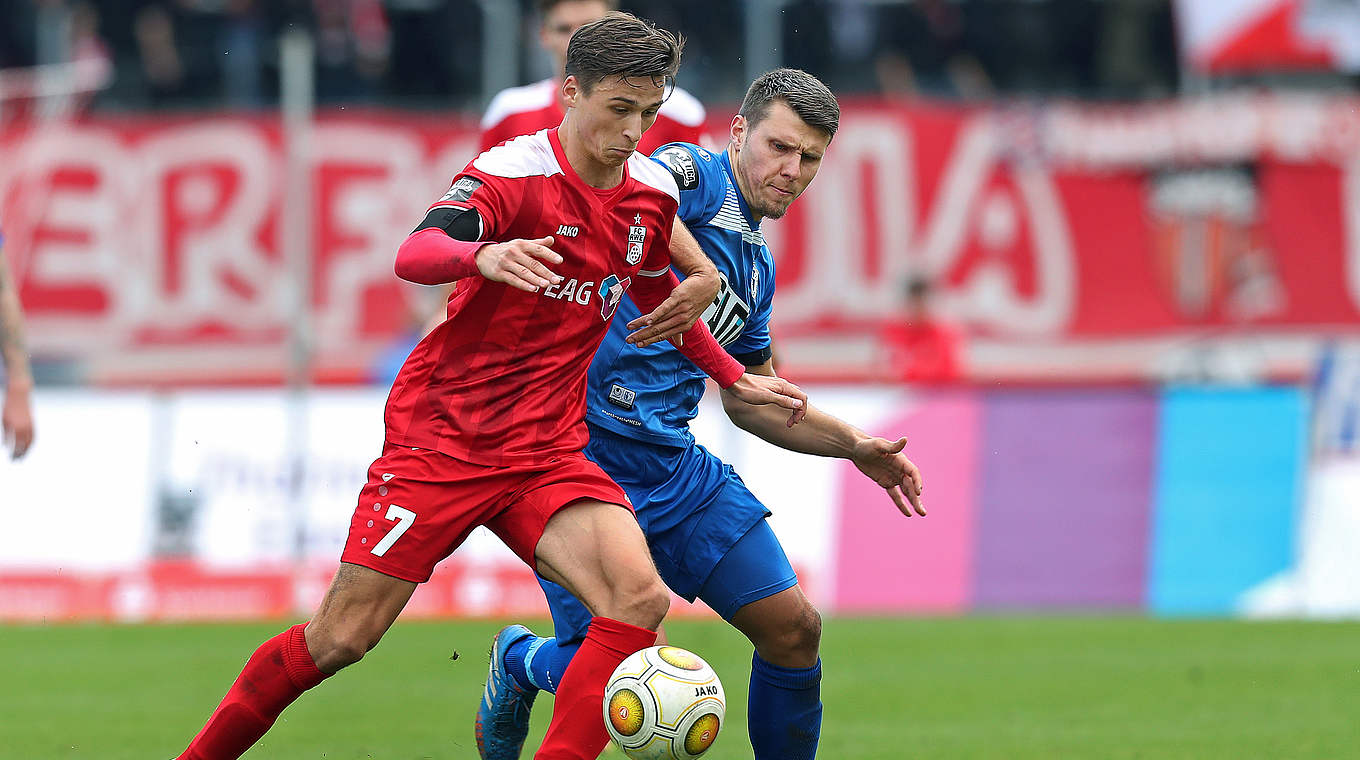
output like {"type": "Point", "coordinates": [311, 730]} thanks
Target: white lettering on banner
{"type": "Point", "coordinates": [208, 187]}
{"type": "Point", "coordinates": [80, 225]}
{"type": "Point", "coordinates": [371, 206]}
{"type": "Point", "coordinates": [154, 251]}
{"type": "Point", "coordinates": [932, 240]}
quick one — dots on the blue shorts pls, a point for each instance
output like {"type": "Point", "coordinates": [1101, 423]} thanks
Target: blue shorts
{"type": "Point", "coordinates": [706, 530]}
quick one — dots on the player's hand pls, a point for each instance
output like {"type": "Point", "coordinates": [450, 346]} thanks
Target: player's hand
{"type": "Point", "coordinates": [885, 464]}
{"type": "Point", "coordinates": [758, 390]}
{"type": "Point", "coordinates": [16, 421]}
{"type": "Point", "coordinates": [519, 263]}
{"type": "Point", "coordinates": [681, 309]}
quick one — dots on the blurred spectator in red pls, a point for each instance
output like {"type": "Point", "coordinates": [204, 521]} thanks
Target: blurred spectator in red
{"type": "Point", "coordinates": [919, 346]}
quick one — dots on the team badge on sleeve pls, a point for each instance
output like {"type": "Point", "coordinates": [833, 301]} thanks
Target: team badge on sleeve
{"type": "Point", "coordinates": [637, 235]}
{"type": "Point", "coordinates": [461, 190]}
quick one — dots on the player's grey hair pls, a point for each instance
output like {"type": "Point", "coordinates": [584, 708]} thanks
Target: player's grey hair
{"type": "Point", "coordinates": [623, 45]}
{"type": "Point", "coordinates": [811, 100]}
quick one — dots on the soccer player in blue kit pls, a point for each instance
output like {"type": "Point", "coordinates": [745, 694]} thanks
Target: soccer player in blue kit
{"type": "Point", "coordinates": [707, 532]}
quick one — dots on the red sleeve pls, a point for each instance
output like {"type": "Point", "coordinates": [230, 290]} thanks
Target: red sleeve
{"type": "Point", "coordinates": [431, 257]}
{"type": "Point", "coordinates": [495, 198]}
{"type": "Point", "coordinates": [698, 345]}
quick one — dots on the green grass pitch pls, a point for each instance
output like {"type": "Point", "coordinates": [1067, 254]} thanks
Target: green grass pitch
{"type": "Point", "coordinates": [975, 687]}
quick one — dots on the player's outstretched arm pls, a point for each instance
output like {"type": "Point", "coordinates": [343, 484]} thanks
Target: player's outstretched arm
{"type": "Point", "coordinates": [687, 302]}
{"type": "Point", "coordinates": [16, 419]}
{"type": "Point", "coordinates": [822, 434]}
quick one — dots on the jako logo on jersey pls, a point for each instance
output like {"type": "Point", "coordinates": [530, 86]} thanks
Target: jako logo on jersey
{"type": "Point", "coordinates": [611, 292]}
{"type": "Point", "coordinates": [568, 230]}
{"type": "Point", "coordinates": [637, 235]}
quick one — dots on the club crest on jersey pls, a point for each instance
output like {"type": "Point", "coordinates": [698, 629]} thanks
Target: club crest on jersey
{"type": "Point", "coordinates": [611, 292]}
{"type": "Point", "coordinates": [637, 235]}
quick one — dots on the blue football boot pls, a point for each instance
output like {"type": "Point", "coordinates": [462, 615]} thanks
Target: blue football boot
{"type": "Point", "coordinates": [503, 715]}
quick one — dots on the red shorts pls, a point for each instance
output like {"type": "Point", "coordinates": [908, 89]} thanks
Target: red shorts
{"type": "Point", "coordinates": [420, 505]}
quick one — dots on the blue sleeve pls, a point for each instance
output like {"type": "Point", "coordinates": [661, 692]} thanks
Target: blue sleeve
{"type": "Point", "coordinates": [701, 181]}
{"type": "Point", "coordinates": [756, 335]}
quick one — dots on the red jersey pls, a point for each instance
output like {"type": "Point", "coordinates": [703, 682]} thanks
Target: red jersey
{"type": "Point", "coordinates": [503, 380]}
{"type": "Point", "coordinates": [524, 110]}
{"type": "Point", "coordinates": [924, 352]}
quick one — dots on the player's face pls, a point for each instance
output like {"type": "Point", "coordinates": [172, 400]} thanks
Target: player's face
{"type": "Point", "coordinates": [776, 159]}
{"type": "Point", "coordinates": [608, 121]}
{"type": "Point", "coordinates": [560, 23]}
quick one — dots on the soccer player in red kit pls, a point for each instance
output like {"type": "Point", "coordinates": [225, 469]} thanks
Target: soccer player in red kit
{"type": "Point", "coordinates": [485, 422]}
{"type": "Point", "coordinates": [524, 110]}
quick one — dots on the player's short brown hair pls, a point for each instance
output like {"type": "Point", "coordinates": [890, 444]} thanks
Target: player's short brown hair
{"type": "Point", "coordinates": [544, 6]}
{"type": "Point", "coordinates": [811, 100]}
{"type": "Point", "coordinates": [623, 45]}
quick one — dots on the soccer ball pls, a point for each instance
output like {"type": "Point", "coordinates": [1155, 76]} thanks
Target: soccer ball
{"type": "Point", "coordinates": [664, 703]}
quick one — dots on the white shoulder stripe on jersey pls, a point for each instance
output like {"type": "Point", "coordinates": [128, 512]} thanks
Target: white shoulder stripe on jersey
{"type": "Point", "coordinates": [524, 156]}
{"type": "Point", "coordinates": [653, 272]}
{"type": "Point", "coordinates": [653, 174]}
{"type": "Point", "coordinates": [684, 108]}
{"type": "Point", "coordinates": [513, 100]}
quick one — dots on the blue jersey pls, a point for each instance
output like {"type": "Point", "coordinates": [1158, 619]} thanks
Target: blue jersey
{"type": "Point", "coordinates": [650, 394]}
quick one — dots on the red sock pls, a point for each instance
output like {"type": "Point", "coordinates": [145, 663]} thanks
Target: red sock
{"type": "Point", "coordinates": [577, 727]}
{"type": "Point", "coordinates": [279, 671]}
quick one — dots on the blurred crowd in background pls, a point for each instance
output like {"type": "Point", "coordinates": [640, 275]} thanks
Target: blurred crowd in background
{"type": "Point", "coordinates": [189, 54]}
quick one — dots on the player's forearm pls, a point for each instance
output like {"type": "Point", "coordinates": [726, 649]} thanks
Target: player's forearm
{"type": "Point", "coordinates": [698, 344]}
{"type": "Point", "coordinates": [430, 257]}
{"type": "Point", "coordinates": [819, 434]}
{"type": "Point", "coordinates": [19, 377]}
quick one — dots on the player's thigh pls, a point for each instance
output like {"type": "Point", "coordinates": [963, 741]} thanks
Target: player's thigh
{"type": "Point", "coordinates": [752, 570]}
{"type": "Point", "coordinates": [596, 551]}
{"type": "Point", "coordinates": [418, 506]}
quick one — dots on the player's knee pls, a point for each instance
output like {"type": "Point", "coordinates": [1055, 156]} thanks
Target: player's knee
{"type": "Point", "coordinates": [334, 651]}
{"type": "Point", "coordinates": [800, 637]}
{"type": "Point", "coordinates": [643, 603]}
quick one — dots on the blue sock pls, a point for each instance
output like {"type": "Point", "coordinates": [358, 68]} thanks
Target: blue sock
{"type": "Point", "coordinates": [539, 663]}
{"type": "Point", "coordinates": [784, 711]}
{"type": "Point", "coordinates": [515, 656]}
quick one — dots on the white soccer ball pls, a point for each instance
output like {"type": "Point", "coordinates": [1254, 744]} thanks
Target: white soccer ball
{"type": "Point", "coordinates": [664, 703]}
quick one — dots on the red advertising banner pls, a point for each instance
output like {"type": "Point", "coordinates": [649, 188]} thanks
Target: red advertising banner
{"type": "Point", "coordinates": [1064, 239]}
